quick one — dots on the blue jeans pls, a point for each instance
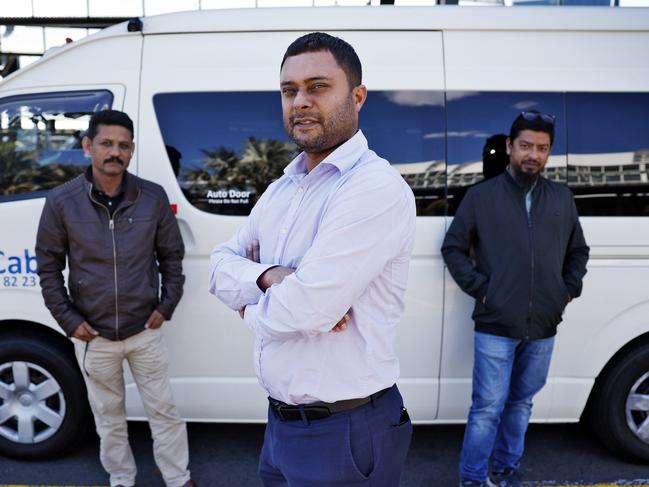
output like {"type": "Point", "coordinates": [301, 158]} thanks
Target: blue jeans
{"type": "Point", "coordinates": [507, 373]}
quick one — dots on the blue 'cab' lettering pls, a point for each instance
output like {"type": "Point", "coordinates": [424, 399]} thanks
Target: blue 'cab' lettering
{"type": "Point", "coordinates": [15, 264]}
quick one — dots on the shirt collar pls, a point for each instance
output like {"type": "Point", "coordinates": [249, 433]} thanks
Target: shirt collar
{"type": "Point", "coordinates": [343, 158]}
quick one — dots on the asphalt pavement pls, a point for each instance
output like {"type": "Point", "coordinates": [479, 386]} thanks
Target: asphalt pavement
{"type": "Point", "coordinates": [226, 455]}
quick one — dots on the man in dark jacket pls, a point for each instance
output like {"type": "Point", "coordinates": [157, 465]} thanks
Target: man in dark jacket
{"type": "Point", "coordinates": [118, 235]}
{"type": "Point", "coordinates": [517, 247]}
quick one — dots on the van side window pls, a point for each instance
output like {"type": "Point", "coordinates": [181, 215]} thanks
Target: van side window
{"type": "Point", "coordinates": [225, 148]}
{"type": "Point", "coordinates": [608, 162]}
{"type": "Point", "coordinates": [477, 128]}
{"type": "Point", "coordinates": [40, 140]}
{"type": "Point", "coordinates": [407, 129]}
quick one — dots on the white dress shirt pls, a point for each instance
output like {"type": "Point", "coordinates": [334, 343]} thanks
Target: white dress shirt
{"type": "Point", "coordinates": [348, 229]}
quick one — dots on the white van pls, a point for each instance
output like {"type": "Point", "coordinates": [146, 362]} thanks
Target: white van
{"type": "Point", "coordinates": [202, 88]}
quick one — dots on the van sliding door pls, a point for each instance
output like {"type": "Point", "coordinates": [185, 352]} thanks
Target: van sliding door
{"type": "Point", "coordinates": [210, 102]}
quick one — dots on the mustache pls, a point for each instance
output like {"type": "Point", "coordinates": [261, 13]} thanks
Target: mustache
{"type": "Point", "coordinates": [296, 116]}
{"type": "Point", "coordinates": [114, 159]}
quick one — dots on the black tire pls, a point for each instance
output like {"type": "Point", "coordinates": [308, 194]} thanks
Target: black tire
{"type": "Point", "coordinates": [613, 416]}
{"type": "Point", "coordinates": [63, 403]}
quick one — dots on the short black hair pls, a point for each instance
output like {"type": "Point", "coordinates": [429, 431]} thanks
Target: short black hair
{"type": "Point", "coordinates": [537, 124]}
{"type": "Point", "coordinates": [109, 117]}
{"type": "Point", "coordinates": [342, 52]}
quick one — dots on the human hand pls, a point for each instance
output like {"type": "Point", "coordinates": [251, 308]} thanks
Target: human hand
{"type": "Point", "coordinates": [274, 275]}
{"type": "Point", "coordinates": [271, 276]}
{"type": "Point", "coordinates": [155, 320]}
{"type": "Point", "coordinates": [252, 251]}
{"type": "Point", "coordinates": [342, 324]}
{"type": "Point", "coordinates": [85, 332]}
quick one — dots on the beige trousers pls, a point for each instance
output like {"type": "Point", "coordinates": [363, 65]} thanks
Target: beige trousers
{"type": "Point", "coordinates": [101, 364]}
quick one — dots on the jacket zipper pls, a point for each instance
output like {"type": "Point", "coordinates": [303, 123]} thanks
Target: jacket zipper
{"type": "Point", "coordinates": [111, 227]}
{"type": "Point", "coordinates": [531, 237]}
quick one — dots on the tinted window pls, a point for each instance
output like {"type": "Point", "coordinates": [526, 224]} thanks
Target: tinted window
{"type": "Point", "coordinates": [226, 148]}
{"type": "Point", "coordinates": [608, 159]}
{"type": "Point", "coordinates": [478, 125]}
{"type": "Point", "coordinates": [40, 140]}
{"type": "Point", "coordinates": [407, 129]}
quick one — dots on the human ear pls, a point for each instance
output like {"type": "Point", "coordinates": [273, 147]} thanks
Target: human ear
{"type": "Point", "coordinates": [359, 94]}
{"type": "Point", "coordinates": [86, 143]}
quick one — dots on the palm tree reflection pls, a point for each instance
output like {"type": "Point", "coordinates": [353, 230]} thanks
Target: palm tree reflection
{"type": "Point", "coordinates": [224, 172]}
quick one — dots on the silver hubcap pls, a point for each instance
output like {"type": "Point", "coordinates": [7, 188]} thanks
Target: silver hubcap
{"type": "Point", "coordinates": [32, 406]}
{"type": "Point", "coordinates": [637, 408]}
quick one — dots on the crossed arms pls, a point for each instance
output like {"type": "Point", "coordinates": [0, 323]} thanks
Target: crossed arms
{"type": "Point", "coordinates": [366, 225]}
{"type": "Point", "coordinates": [275, 275]}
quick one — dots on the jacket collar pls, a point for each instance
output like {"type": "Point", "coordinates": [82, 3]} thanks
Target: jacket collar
{"type": "Point", "coordinates": [510, 179]}
{"type": "Point", "coordinates": [130, 186]}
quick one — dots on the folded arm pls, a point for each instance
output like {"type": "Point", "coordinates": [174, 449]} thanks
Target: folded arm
{"type": "Point", "coordinates": [275, 275]}
{"type": "Point", "coordinates": [233, 277]}
{"type": "Point", "coordinates": [366, 224]}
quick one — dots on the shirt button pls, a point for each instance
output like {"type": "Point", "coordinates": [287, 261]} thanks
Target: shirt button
{"type": "Point", "coordinates": [300, 189]}
{"type": "Point", "coordinates": [283, 231]}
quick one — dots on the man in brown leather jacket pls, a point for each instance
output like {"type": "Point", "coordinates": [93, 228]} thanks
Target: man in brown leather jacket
{"type": "Point", "coordinates": [119, 236]}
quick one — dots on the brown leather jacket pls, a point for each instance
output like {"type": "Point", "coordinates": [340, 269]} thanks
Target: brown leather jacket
{"type": "Point", "coordinates": [114, 264]}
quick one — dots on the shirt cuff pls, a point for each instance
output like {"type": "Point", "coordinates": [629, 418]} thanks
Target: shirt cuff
{"type": "Point", "coordinates": [249, 280]}
{"type": "Point", "coordinates": [250, 317]}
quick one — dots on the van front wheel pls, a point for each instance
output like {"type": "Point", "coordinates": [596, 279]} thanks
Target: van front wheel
{"type": "Point", "coordinates": [620, 409]}
{"type": "Point", "coordinates": [43, 405]}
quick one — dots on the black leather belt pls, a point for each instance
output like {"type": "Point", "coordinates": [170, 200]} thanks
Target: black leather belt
{"type": "Point", "coordinates": [320, 410]}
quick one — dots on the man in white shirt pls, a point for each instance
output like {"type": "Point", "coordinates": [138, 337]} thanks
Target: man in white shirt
{"type": "Point", "coordinates": [318, 273]}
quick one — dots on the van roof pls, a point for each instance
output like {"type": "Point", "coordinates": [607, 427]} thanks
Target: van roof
{"type": "Point", "coordinates": [389, 18]}
{"type": "Point", "coordinates": [378, 18]}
